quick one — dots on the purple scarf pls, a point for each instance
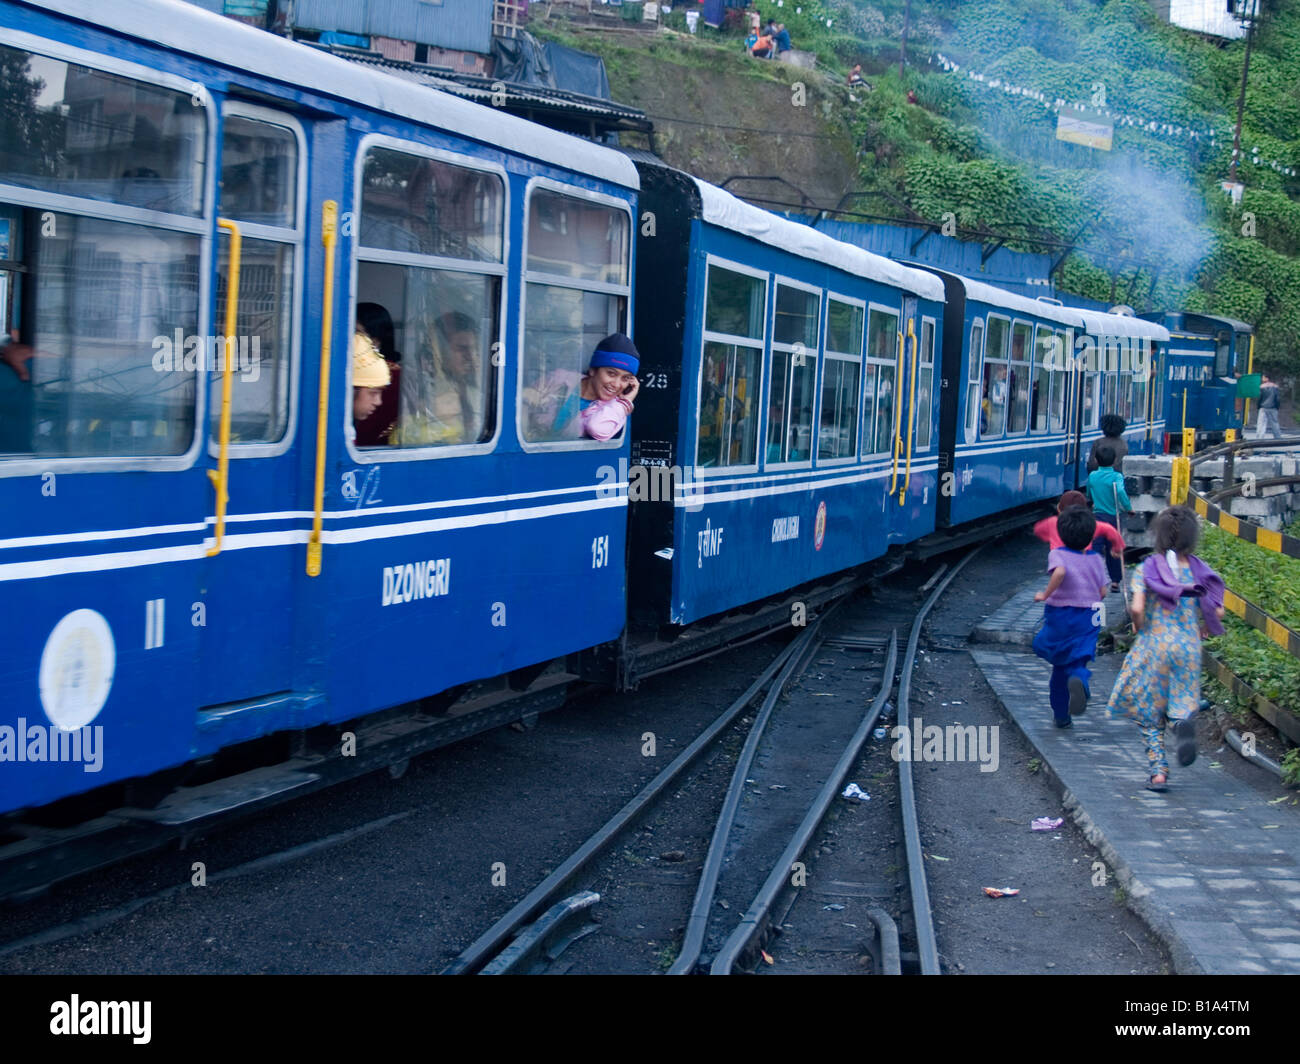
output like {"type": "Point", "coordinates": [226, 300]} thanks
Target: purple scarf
{"type": "Point", "coordinates": [1206, 585]}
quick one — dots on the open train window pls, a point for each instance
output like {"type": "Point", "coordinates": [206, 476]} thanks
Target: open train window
{"type": "Point", "coordinates": [925, 385]}
{"type": "Point", "coordinates": [973, 381]}
{"type": "Point", "coordinates": [1060, 382]}
{"type": "Point", "coordinates": [880, 371]}
{"type": "Point", "coordinates": [576, 293]}
{"type": "Point", "coordinates": [837, 432]}
{"type": "Point", "coordinates": [1141, 374]}
{"type": "Point", "coordinates": [731, 367]}
{"type": "Point", "coordinates": [993, 396]}
{"type": "Point", "coordinates": [1046, 358]}
{"type": "Point", "coordinates": [1018, 379]}
{"type": "Point", "coordinates": [796, 323]}
{"type": "Point", "coordinates": [430, 270]}
{"type": "Point", "coordinates": [100, 259]}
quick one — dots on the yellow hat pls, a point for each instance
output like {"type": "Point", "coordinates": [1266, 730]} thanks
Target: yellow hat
{"type": "Point", "coordinates": [369, 370]}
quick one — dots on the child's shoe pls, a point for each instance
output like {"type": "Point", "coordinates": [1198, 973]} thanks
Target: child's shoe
{"type": "Point", "coordinates": [1078, 696]}
{"type": "Point", "coordinates": [1185, 740]}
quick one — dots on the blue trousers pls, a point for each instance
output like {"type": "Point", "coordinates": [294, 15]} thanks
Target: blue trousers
{"type": "Point", "coordinates": [1060, 685]}
{"type": "Point", "coordinates": [1102, 546]}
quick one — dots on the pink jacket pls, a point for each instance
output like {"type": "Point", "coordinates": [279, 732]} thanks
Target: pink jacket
{"type": "Point", "coordinates": [605, 418]}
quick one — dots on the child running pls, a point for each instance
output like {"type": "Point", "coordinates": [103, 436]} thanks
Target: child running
{"type": "Point", "coordinates": [1161, 679]}
{"type": "Point", "coordinates": [1068, 637]}
{"type": "Point", "coordinates": [1106, 489]}
{"type": "Point", "coordinates": [1046, 528]}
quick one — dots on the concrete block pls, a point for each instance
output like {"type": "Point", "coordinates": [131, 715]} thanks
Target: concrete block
{"type": "Point", "coordinates": [1257, 507]}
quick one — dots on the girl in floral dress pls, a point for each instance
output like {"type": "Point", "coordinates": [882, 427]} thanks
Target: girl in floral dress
{"type": "Point", "coordinates": [1176, 597]}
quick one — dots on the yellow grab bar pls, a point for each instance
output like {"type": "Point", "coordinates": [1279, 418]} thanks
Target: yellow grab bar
{"type": "Point", "coordinates": [330, 238]}
{"type": "Point", "coordinates": [898, 383]}
{"type": "Point", "coordinates": [220, 477]}
{"type": "Point", "coordinates": [1250, 368]}
{"type": "Point", "coordinates": [911, 412]}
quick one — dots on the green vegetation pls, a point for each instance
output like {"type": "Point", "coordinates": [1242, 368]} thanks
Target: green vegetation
{"type": "Point", "coordinates": [1272, 582]}
{"type": "Point", "coordinates": [1148, 220]}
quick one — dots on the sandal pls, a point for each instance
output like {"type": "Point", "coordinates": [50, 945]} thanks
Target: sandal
{"type": "Point", "coordinates": [1160, 787]}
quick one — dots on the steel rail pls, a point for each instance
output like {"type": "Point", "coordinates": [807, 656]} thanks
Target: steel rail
{"type": "Point", "coordinates": [927, 946]}
{"type": "Point", "coordinates": [753, 922]}
{"type": "Point", "coordinates": [698, 923]}
{"type": "Point", "coordinates": [482, 949]}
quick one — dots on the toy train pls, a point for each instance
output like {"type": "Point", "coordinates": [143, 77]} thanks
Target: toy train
{"type": "Point", "coordinates": [198, 548]}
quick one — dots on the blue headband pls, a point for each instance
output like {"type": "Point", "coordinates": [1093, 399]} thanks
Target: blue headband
{"type": "Point", "coordinates": [617, 359]}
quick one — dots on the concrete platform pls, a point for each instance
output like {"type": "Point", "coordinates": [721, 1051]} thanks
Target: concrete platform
{"type": "Point", "coordinates": [1016, 621]}
{"type": "Point", "coordinates": [1210, 865]}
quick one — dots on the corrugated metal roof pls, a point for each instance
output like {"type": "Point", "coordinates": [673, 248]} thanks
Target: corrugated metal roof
{"type": "Point", "coordinates": [456, 24]}
{"type": "Point", "coordinates": [483, 90]}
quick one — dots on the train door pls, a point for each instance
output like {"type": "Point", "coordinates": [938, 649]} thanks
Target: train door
{"type": "Point", "coordinates": [1067, 381]}
{"type": "Point", "coordinates": [245, 606]}
{"type": "Point", "coordinates": [901, 508]}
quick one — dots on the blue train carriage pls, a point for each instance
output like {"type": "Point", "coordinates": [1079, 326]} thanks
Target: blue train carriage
{"type": "Point", "coordinates": [358, 564]}
{"type": "Point", "coordinates": [789, 387]}
{"type": "Point", "coordinates": [1208, 354]}
{"type": "Point", "coordinates": [1009, 432]}
{"type": "Point", "coordinates": [1121, 360]}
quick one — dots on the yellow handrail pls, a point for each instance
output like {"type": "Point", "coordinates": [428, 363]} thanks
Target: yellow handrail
{"type": "Point", "coordinates": [330, 238]}
{"type": "Point", "coordinates": [911, 412]}
{"type": "Point", "coordinates": [1250, 368]}
{"type": "Point", "coordinates": [220, 477]}
{"type": "Point", "coordinates": [898, 383]}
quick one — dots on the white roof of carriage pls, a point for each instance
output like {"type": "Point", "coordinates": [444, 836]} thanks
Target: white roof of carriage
{"type": "Point", "coordinates": [722, 209]}
{"type": "Point", "coordinates": [1101, 323]}
{"type": "Point", "coordinates": [1000, 297]}
{"type": "Point", "coordinates": [190, 29]}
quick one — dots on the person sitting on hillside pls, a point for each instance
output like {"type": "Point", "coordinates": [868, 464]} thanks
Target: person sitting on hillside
{"type": "Point", "coordinates": [750, 41]}
{"type": "Point", "coordinates": [782, 38]}
{"type": "Point", "coordinates": [764, 47]}
{"type": "Point", "coordinates": [855, 75]}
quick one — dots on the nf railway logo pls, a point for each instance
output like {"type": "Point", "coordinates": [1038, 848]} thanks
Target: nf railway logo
{"type": "Point", "coordinates": [819, 526]}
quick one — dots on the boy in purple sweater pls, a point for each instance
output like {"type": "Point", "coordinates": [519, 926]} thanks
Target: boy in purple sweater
{"type": "Point", "coordinates": [1071, 618]}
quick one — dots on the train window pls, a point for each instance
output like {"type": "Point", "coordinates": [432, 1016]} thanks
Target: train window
{"type": "Point", "coordinates": [1045, 358]}
{"type": "Point", "coordinates": [731, 381]}
{"type": "Point", "coordinates": [924, 386]}
{"type": "Point", "coordinates": [878, 426]}
{"type": "Point", "coordinates": [436, 328]}
{"type": "Point", "coordinates": [575, 295]}
{"type": "Point", "coordinates": [1140, 371]}
{"type": "Point", "coordinates": [110, 326]}
{"type": "Point", "coordinates": [729, 389]}
{"type": "Point", "coordinates": [1243, 354]}
{"type": "Point", "coordinates": [570, 237]}
{"type": "Point", "coordinates": [973, 380]}
{"type": "Point", "coordinates": [993, 399]}
{"type": "Point", "coordinates": [85, 133]}
{"type": "Point", "coordinates": [259, 185]}
{"type": "Point", "coordinates": [1060, 383]}
{"type": "Point", "coordinates": [1222, 353]}
{"type": "Point", "coordinates": [427, 206]}
{"type": "Point", "coordinates": [796, 320]}
{"type": "Point", "coordinates": [1091, 408]}
{"type": "Point", "coordinates": [837, 434]}
{"type": "Point", "coordinates": [1126, 396]}
{"type": "Point", "coordinates": [436, 321]}
{"type": "Point", "coordinates": [735, 303]}
{"type": "Point", "coordinates": [1018, 379]}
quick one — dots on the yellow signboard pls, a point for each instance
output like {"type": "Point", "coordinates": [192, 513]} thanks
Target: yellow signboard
{"type": "Point", "coordinates": [1091, 131]}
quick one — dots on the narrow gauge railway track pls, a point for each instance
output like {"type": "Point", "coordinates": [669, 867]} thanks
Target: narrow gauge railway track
{"type": "Point", "coordinates": [763, 828]}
